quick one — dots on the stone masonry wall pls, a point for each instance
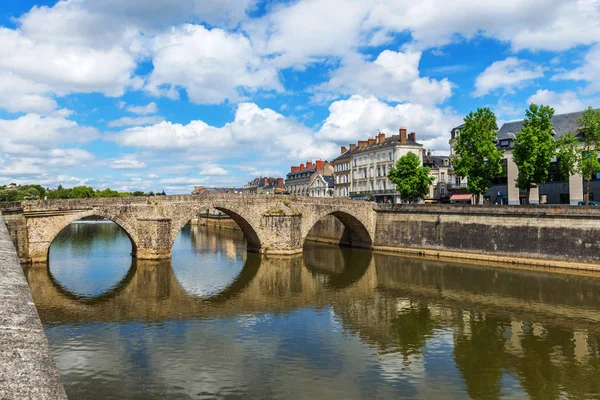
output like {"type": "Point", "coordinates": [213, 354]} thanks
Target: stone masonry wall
{"type": "Point", "coordinates": [27, 370]}
{"type": "Point", "coordinates": [570, 234]}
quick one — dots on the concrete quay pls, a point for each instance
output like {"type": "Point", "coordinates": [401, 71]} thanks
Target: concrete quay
{"type": "Point", "coordinates": [27, 370]}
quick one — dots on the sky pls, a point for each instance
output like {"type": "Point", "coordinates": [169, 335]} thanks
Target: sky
{"type": "Point", "coordinates": [172, 94]}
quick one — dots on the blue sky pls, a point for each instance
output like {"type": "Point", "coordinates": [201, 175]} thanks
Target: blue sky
{"type": "Point", "coordinates": [169, 94]}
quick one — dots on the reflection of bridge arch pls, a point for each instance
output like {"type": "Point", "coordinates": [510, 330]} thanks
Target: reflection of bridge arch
{"type": "Point", "coordinates": [342, 267]}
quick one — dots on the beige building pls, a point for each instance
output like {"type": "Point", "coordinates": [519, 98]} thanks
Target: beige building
{"type": "Point", "coordinates": [342, 173]}
{"type": "Point", "coordinates": [372, 160]}
{"type": "Point", "coordinates": [556, 190]}
{"type": "Point", "coordinates": [440, 170]}
{"type": "Point", "coordinates": [298, 180]}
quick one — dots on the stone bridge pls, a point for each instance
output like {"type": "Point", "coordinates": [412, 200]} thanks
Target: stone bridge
{"type": "Point", "coordinates": [271, 224]}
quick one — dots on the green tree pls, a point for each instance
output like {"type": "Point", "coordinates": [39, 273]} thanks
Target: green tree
{"type": "Point", "coordinates": [534, 148]}
{"type": "Point", "coordinates": [412, 180]}
{"type": "Point", "coordinates": [582, 159]}
{"type": "Point", "coordinates": [479, 160]}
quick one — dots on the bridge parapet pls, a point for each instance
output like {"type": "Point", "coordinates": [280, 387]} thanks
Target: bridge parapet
{"type": "Point", "coordinates": [271, 224]}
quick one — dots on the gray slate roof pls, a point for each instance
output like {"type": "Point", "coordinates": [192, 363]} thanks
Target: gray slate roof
{"type": "Point", "coordinates": [563, 124]}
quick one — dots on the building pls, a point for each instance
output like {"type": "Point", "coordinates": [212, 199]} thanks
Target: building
{"type": "Point", "coordinates": [204, 190]}
{"type": "Point", "coordinates": [440, 168]}
{"type": "Point", "coordinates": [298, 181]}
{"type": "Point", "coordinates": [372, 160]}
{"type": "Point", "coordinates": [554, 191]}
{"type": "Point", "coordinates": [342, 172]}
{"type": "Point", "coordinates": [264, 185]}
{"type": "Point", "coordinates": [320, 186]}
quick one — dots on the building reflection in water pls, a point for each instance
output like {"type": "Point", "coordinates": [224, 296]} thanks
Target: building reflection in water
{"type": "Point", "coordinates": [348, 321]}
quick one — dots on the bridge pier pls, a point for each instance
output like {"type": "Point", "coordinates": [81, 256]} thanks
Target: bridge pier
{"type": "Point", "coordinates": [280, 234]}
{"type": "Point", "coordinates": [153, 239]}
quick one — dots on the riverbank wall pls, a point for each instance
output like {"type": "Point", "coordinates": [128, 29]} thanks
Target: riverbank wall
{"type": "Point", "coordinates": [27, 370]}
{"type": "Point", "coordinates": [549, 236]}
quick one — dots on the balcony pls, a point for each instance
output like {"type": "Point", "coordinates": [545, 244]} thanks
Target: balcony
{"type": "Point", "coordinates": [457, 186]}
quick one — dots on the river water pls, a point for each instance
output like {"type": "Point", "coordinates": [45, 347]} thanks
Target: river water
{"type": "Point", "coordinates": [334, 323]}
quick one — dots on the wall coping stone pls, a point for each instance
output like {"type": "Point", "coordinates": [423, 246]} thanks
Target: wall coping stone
{"type": "Point", "coordinates": [27, 370]}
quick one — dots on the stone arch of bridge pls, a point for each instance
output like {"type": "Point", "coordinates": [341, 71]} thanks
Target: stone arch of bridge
{"type": "Point", "coordinates": [359, 233]}
{"type": "Point", "coordinates": [58, 223]}
{"type": "Point", "coordinates": [254, 243]}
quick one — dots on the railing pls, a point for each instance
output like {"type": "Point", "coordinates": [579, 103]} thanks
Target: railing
{"type": "Point", "coordinates": [373, 192]}
{"type": "Point", "coordinates": [455, 185]}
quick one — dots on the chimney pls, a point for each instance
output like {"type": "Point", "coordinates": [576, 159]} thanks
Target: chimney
{"type": "Point", "coordinates": [362, 143]}
{"type": "Point", "coordinates": [402, 135]}
{"type": "Point", "coordinates": [429, 153]}
{"type": "Point", "coordinates": [352, 147]}
{"type": "Point", "coordinates": [343, 149]}
{"type": "Point", "coordinates": [309, 164]}
{"type": "Point", "coordinates": [295, 169]}
{"type": "Point", "coordinates": [279, 182]}
{"type": "Point", "coordinates": [301, 167]}
{"type": "Point", "coordinates": [381, 137]}
{"type": "Point", "coordinates": [371, 141]}
{"type": "Point", "coordinates": [412, 136]}
{"type": "Point", "coordinates": [320, 164]}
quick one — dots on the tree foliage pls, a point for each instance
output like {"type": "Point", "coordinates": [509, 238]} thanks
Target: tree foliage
{"type": "Point", "coordinates": [534, 147]}
{"type": "Point", "coordinates": [36, 192]}
{"type": "Point", "coordinates": [582, 158]}
{"type": "Point", "coordinates": [412, 180]}
{"type": "Point", "coordinates": [479, 159]}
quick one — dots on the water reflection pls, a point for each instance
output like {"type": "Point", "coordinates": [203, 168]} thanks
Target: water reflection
{"type": "Point", "coordinates": [332, 323]}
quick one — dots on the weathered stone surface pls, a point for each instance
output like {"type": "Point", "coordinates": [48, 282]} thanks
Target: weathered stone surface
{"type": "Point", "coordinates": [27, 370]}
{"type": "Point", "coordinates": [271, 224]}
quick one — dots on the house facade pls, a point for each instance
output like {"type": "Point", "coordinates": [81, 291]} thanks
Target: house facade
{"type": "Point", "coordinates": [440, 170]}
{"type": "Point", "coordinates": [555, 190]}
{"type": "Point", "coordinates": [298, 180]}
{"type": "Point", "coordinates": [372, 160]}
{"type": "Point", "coordinates": [342, 172]}
{"type": "Point", "coordinates": [321, 186]}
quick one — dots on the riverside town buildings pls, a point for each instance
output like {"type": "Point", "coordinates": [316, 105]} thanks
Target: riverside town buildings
{"type": "Point", "coordinates": [264, 185]}
{"type": "Point", "coordinates": [313, 180]}
{"type": "Point", "coordinates": [554, 191]}
{"type": "Point", "coordinates": [361, 170]}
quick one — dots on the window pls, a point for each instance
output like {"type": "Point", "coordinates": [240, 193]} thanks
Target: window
{"type": "Point", "coordinates": [445, 161]}
{"type": "Point", "coordinates": [390, 156]}
{"type": "Point", "coordinates": [504, 143]}
{"type": "Point", "coordinates": [443, 177]}
{"type": "Point", "coordinates": [442, 191]}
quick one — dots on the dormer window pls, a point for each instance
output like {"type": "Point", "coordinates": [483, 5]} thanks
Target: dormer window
{"type": "Point", "coordinates": [445, 161]}
{"type": "Point", "coordinates": [504, 143]}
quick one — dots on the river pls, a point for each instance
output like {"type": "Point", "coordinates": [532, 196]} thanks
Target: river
{"type": "Point", "coordinates": [333, 323]}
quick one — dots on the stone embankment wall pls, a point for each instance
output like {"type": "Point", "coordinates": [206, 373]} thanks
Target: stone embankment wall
{"type": "Point", "coordinates": [27, 370]}
{"type": "Point", "coordinates": [539, 235]}
{"type": "Point", "coordinates": [222, 222]}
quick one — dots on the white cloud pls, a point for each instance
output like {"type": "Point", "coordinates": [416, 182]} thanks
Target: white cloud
{"type": "Point", "coordinates": [506, 74]}
{"type": "Point", "coordinates": [21, 95]}
{"type": "Point", "coordinates": [253, 128]}
{"type": "Point", "coordinates": [150, 108]}
{"type": "Point", "coordinates": [564, 102]}
{"type": "Point", "coordinates": [153, 176]}
{"type": "Point", "coordinates": [358, 118]}
{"type": "Point", "coordinates": [301, 32]}
{"type": "Point", "coordinates": [213, 170]}
{"type": "Point", "coordinates": [34, 134]}
{"type": "Point", "coordinates": [211, 65]}
{"type": "Point", "coordinates": [128, 161]}
{"type": "Point", "coordinates": [131, 121]}
{"type": "Point", "coordinates": [588, 72]}
{"type": "Point", "coordinates": [393, 76]}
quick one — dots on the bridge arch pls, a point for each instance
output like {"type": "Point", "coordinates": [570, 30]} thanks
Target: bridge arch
{"type": "Point", "coordinates": [254, 243]}
{"type": "Point", "coordinates": [41, 238]}
{"type": "Point", "coordinates": [359, 234]}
